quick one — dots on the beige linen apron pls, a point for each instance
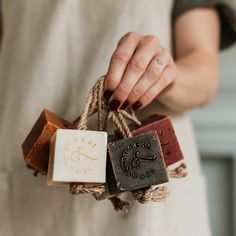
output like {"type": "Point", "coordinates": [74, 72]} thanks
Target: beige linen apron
{"type": "Point", "coordinates": [52, 52]}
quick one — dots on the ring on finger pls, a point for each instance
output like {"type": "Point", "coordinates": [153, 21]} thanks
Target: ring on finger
{"type": "Point", "coordinates": [159, 62]}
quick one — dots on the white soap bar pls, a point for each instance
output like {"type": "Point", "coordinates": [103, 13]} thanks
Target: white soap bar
{"type": "Point", "coordinates": [77, 156]}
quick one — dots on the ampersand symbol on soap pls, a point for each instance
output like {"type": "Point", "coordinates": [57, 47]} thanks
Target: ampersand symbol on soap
{"type": "Point", "coordinates": [78, 153]}
{"type": "Point", "coordinates": [136, 161]}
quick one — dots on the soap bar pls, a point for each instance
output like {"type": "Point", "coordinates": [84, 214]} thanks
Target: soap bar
{"type": "Point", "coordinates": [36, 145]}
{"type": "Point", "coordinates": [163, 126]}
{"type": "Point", "coordinates": [136, 162]}
{"type": "Point", "coordinates": [111, 183]}
{"type": "Point", "coordinates": [77, 156]}
{"type": "Point", "coordinates": [110, 190]}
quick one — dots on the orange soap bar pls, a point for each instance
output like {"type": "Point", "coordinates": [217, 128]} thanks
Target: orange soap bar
{"type": "Point", "coordinates": [36, 145]}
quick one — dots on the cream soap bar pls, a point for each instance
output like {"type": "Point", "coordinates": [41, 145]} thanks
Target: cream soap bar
{"type": "Point", "coordinates": [77, 156]}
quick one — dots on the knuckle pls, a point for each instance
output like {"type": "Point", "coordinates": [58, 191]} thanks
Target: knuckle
{"type": "Point", "coordinates": [151, 39]}
{"type": "Point", "coordinates": [138, 65]}
{"type": "Point", "coordinates": [164, 82]}
{"type": "Point", "coordinates": [170, 75]}
{"type": "Point", "coordinates": [135, 94]}
{"type": "Point", "coordinates": [123, 89]}
{"type": "Point", "coordinates": [131, 35]}
{"type": "Point", "coordinates": [112, 79]}
{"type": "Point", "coordinates": [148, 96]}
{"type": "Point", "coordinates": [153, 73]}
{"type": "Point", "coordinates": [120, 57]}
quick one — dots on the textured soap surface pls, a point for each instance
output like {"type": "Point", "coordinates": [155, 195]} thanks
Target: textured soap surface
{"type": "Point", "coordinates": [136, 162]}
{"type": "Point", "coordinates": [163, 126]}
{"type": "Point", "coordinates": [36, 145]}
{"type": "Point", "coordinates": [77, 156]}
{"type": "Point", "coordinates": [111, 182]}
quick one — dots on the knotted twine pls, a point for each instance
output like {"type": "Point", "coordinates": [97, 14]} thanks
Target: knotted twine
{"type": "Point", "coordinates": [155, 193]}
{"type": "Point", "coordinates": [151, 193]}
{"type": "Point", "coordinates": [92, 105]}
{"type": "Point", "coordinates": [96, 104]}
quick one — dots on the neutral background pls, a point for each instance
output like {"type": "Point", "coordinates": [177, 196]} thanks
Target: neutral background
{"type": "Point", "coordinates": [215, 127]}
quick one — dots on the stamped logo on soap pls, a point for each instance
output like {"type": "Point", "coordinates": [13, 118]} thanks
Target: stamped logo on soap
{"type": "Point", "coordinates": [79, 156]}
{"type": "Point", "coordinates": [137, 160]}
{"type": "Point", "coordinates": [79, 153]}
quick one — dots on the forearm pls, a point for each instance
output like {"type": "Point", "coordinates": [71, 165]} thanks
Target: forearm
{"type": "Point", "coordinates": [141, 69]}
{"type": "Point", "coordinates": [196, 42]}
{"type": "Point", "coordinates": [197, 81]}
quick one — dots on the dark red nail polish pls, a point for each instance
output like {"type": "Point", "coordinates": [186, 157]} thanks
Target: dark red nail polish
{"type": "Point", "coordinates": [107, 94]}
{"type": "Point", "coordinates": [125, 104]}
{"type": "Point", "coordinates": [136, 105]}
{"type": "Point", "coordinates": [114, 104]}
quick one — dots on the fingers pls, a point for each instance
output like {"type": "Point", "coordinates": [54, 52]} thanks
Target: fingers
{"type": "Point", "coordinates": [134, 70]}
{"type": "Point", "coordinates": [167, 78]}
{"type": "Point", "coordinates": [120, 58]}
{"type": "Point", "coordinates": [152, 74]}
{"type": "Point", "coordinates": [140, 69]}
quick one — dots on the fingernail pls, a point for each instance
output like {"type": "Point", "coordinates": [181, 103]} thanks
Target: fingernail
{"type": "Point", "coordinates": [114, 104]}
{"type": "Point", "coordinates": [107, 94]}
{"type": "Point", "coordinates": [136, 105]}
{"type": "Point", "coordinates": [125, 104]}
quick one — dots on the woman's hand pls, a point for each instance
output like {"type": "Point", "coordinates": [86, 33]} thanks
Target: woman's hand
{"type": "Point", "coordinates": [140, 69]}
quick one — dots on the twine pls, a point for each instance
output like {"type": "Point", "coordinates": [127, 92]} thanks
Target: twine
{"type": "Point", "coordinates": [96, 104]}
{"type": "Point", "coordinates": [118, 120]}
{"type": "Point", "coordinates": [157, 193]}
{"type": "Point", "coordinates": [150, 194]}
{"type": "Point", "coordinates": [92, 105]}
{"type": "Point", "coordinates": [132, 116]}
{"type": "Point", "coordinates": [178, 172]}
{"type": "Point", "coordinates": [100, 102]}
{"type": "Point", "coordinates": [78, 188]}
{"type": "Point", "coordinates": [153, 193]}
{"type": "Point", "coordinates": [120, 205]}
{"type": "Point", "coordinates": [81, 122]}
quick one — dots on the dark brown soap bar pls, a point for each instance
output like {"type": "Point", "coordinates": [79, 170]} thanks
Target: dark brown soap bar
{"type": "Point", "coordinates": [36, 145]}
{"type": "Point", "coordinates": [110, 190]}
{"type": "Point", "coordinates": [163, 126]}
{"type": "Point", "coordinates": [135, 163]}
{"type": "Point", "coordinates": [110, 177]}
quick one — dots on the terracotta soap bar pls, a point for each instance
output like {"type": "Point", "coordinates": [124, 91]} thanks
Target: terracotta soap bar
{"type": "Point", "coordinates": [136, 162]}
{"type": "Point", "coordinates": [163, 126]}
{"type": "Point", "coordinates": [36, 145]}
{"type": "Point", "coordinates": [77, 156]}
